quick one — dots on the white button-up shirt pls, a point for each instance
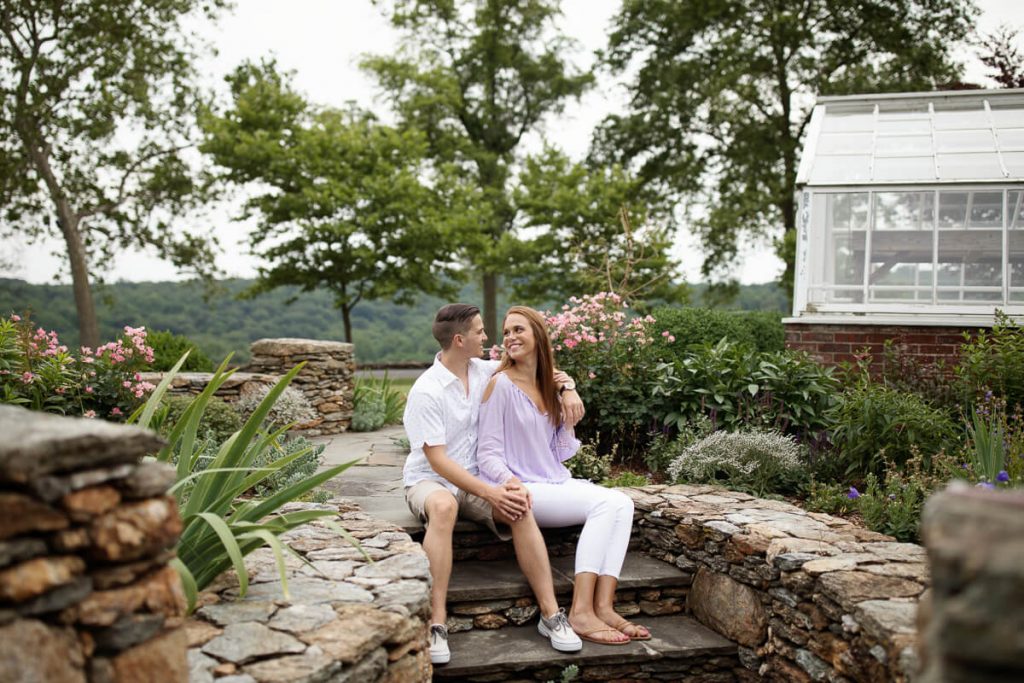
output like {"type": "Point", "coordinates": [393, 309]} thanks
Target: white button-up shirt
{"type": "Point", "coordinates": [438, 412]}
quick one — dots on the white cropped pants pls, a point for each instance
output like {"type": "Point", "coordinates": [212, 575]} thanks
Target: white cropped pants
{"type": "Point", "coordinates": [606, 516]}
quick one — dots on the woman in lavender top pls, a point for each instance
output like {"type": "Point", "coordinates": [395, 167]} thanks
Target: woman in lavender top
{"type": "Point", "coordinates": [522, 438]}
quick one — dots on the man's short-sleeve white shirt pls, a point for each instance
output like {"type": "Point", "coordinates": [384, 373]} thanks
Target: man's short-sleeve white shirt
{"type": "Point", "coordinates": [439, 412]}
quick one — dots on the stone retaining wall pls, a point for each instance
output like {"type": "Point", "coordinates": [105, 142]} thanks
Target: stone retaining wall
{"type": "Point", "coordinates": [807, 596]}
{"type": "Point", "coordinates": [345, 619]}
{"type": "Point", "coordinates": [86, 532]}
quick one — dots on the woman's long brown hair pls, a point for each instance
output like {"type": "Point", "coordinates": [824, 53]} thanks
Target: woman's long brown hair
{"type": "Point", "coordinates": [545, 362]}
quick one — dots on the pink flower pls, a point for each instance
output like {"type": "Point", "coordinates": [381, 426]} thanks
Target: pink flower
{"type": "Point", "coordinates": [665, 333]}
{"type": "Point", "coordinates": [27, 378]}
{"type": "Point", "coordinates": [60, 390]}
{"type": "Point", "coordinates": [126, 384]}
{"type": "Point", "coordinates": [495, 352]}
{"type": "Point", "coordinates": [116, 412]}
{"type": "Point", "coordinates": [89, 413]}
{"type": "Point", "coordinates": [671, 338]}
{"type": "Point", "coordinates": [88, 390]}
{"type": "Point", "coordinates": [16, 318]}
{"type": "Point", "coordinates": [591, 375]}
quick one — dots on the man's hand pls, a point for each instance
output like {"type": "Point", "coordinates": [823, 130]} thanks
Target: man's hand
{"type": "Point", "coordinates": [511, 500]}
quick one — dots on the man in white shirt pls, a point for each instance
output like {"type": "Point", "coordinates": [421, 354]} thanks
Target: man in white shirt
{"type": "Point", "coordinates": [440, 475]}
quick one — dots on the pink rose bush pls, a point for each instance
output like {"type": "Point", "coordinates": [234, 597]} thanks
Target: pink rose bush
{"type": "Point", "coordinates": [609, 351]}
{"type": "Point", "coordinates": [39, 372]}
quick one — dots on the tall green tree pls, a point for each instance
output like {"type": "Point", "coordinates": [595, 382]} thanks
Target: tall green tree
{"type": "Point", "coordinates": [476, 77]}
{"type": "Point", "coordinates": [343, 203]}
{"type": "Point", "coordinates": [594, 229]}
{"type": "Point", "coordinates": [97, 103]}
{"type": "Point", "coordinates": [721, 94]}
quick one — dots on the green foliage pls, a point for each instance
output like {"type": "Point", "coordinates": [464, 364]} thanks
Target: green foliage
{"type": "Point", "coordinates": [589, 464]}
{"type": "Point", "coordinates": [872, 423]}
{"type": "Point", "coordinates": [663, 448]}
{"type": "Point", "coordinates": [908, 373]}
{"type": "Point", "coordinates": [720, 95]}
{"type": "Point", "coordinates": [993, 361]}
{"type": "Point", "coordinates": [993, 454]}
{"type": "Point", "coordinates": [830, 498]}
{"type": "Point", "coordinates": [341, 191]}
{"type": "Point", "coordinates": [759, 461]}
{"type": "Point", "coordinates": [760, 330]}
{"type": "Point", "coordinates": [74, 79]}
{"type": "Point", "coordinates": [626, 478]}
{"type": "Point", "coordinates": [735, 386]}
{"type": "Point", "coordinates": [296, 471]}
{"type": "Point", "coordinates": [169, 347]}
{"type": "Point", "coordinates": [376, 402]}
{"type": "Point", "coordinates": [219, 421]}
{"type": "Point", "coordinates": [220, 526]}
{"type": "Point", "coordinates": [488, 77]}
{"type": "Point", "coordinates": [40, 373]}
{"type": "Point", "coordinates": [587, 242]}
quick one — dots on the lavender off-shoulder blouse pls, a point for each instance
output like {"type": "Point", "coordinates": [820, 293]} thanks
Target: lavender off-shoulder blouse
{"type": "Point", "coordinates": [515, 439]}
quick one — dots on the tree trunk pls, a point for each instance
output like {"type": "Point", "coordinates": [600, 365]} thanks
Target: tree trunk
{"type": "Point", "coordinates": [346, 316]}
{"type": "Point", "coordinates": [491, 307]}
{"type": "Point", "coordinates": [88, 327]}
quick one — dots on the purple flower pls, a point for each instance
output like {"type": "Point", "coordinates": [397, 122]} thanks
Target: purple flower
{"type": "Point", "coordinates": [988, 395]}
{"type": "Point", "coordinates": [985, 485]}
{"type": "Point", "coordinates": [964, 466]}
{"type": "Point", "coordinates": [1002, 476]}
{"type": "Point", "coordinates": [892, 496]}
{"type": "Point", "coordinates": [853, 494]}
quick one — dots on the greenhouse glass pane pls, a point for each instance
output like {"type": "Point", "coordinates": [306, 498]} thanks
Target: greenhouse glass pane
{"type": "Point", "coordinates": [952, 210]}
{"type": "Point", "coordinates": [846, 226]}
{"type": "Point", "coordinates": [963, 119]}
{"type": "Point", "coordinates": [1008, 117]}
{"type": "Point", "coordinates": [1014, 162]}
{"type": "Point", "coordinates": [969, 166]}
{"type": "Point", "coordinates": [850, 168]}
{"type": "Point", "coordinates": [904, 210]}
{"type": "Point", "coordinates": [896, 280]}
{"type": "Point", "coordinates": [965, 141]}
{"type": "Point", "coordinates": [904, 168]}
{"type": "Point", "coordinates": [1015, 209]}
{"type": "Point", "coordinates": [1011, 139]}
{"type": "Point", "coordinates": [903, 144]}
{"type": "Point", "coordinates": [847, 123]}
{"type": "Point", "coordinates": [970, 259]}
{"type": "Point", "coordinates": [986, 210]}
{"type": "Point", "coordinates": [843, 143]}
{"type": "Point", "coordinates": [918, 124]}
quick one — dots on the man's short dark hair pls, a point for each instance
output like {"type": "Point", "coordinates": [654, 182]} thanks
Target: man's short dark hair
{"type": "Point", "coordinates": [451, 320]}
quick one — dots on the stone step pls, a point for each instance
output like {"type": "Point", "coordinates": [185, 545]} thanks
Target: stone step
{"type": "Point", "coordinates": [680, 647]}
{"type": "Point", "coordinates": [494, 594]}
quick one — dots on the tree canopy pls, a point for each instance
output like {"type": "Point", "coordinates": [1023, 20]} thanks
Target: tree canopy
{"type": "Point", "coordinates": [476, 77]}
{"type": "Point", "coordinates": [343, 202]}
{"type": "Point", "coordinates": [97, 103]}
{"type": "Point", "coordinates": [721, 94]}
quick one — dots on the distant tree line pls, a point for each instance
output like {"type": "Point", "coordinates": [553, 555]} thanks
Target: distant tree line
{"type": "Point", "coordinates": [383, 331]}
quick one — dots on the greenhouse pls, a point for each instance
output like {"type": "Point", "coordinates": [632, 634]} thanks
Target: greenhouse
{"type": "Point", "coordinates": [911, 209]}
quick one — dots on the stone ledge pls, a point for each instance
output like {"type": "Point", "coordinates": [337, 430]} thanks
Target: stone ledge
{"type": "Point", "coordinates": [809, 596]}
{"type": "Point", "coordinates": [287, 346]}
{"type": "Point", "coordinates": [344, 619]}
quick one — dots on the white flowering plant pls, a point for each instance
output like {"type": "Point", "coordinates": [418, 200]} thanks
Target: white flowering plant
{"type": "Point", "coordinates": [759, 461]}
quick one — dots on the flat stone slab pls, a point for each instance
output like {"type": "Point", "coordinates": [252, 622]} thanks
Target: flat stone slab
{"type": "Point", "coordinates": [501, 579]}
{"type": "Point", "coordinates": [638, 571]}
{"type": "Point", "coordinates": [522, 648]}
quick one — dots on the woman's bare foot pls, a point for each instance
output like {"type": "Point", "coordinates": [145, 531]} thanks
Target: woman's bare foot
{"type": "Point", "coordinates": [590, 627]}
{"type": "Point", "coordinates": [623, 625]}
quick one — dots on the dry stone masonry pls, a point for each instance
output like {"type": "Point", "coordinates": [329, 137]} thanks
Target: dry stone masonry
{"type": "Point", "coordinates": [86, 532]}
{"type": "Point", "coordinates": [807, 596]}
{"type": "Point", "coordinates": [345, 619]}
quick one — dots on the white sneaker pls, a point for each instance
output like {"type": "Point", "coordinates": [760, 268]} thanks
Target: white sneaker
{"type": "Point", "coordinates": [439, 652]}
{"type": "Point", "coordinates": [559, 632]}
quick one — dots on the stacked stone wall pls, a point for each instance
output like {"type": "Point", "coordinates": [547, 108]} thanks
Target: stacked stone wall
{"type": "Point", "coordinates": [86, 533]}
{"type": "Point", "coordinates": [832, 344]}
{"type": "Point", "coordinates": [327, 380]}
{"type": "Point", "coordinates": [807, 596]}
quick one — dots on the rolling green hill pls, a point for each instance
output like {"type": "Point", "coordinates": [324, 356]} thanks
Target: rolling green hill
{"type": "Point", "coordinates": [383, 331]}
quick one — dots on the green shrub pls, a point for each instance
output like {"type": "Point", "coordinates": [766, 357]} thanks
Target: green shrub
{"type": "Point", "coordinates": [589, 464]}
{"type": "Point", "coordinates": [993, 361]}
{"type": "Point", "coordinates": [169, 347]}
{"type": "Point", "coordinates": [626, 478]}
{"type": "Point", "coordinates": [873, 422]}
{"type": "Point", "coordinates": [220, 419]}
{"type": "Point", "coordinates": [663, 448]}
{"type": "Point", "coordinates": [907, 372]}
{"type": "Point", "coordinates": [758, 461]}
{"type": "Point", "coordinates": [735, 386]}
{"type": "Point", "coordinates": [290, 408]}
{"type": "Point", "coordinates": [757, 330]}
{"type": "Point", "coordinates": [376, 402]}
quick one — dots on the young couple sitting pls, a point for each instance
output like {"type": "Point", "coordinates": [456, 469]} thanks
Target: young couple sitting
{"type": "Point", "coordinates": [488, 439]}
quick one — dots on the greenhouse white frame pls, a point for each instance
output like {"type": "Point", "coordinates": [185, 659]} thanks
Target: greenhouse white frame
{"type": "Point", "coordinates": [911, 209]}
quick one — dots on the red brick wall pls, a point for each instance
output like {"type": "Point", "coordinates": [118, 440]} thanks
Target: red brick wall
{"type": "Point", "coordinates": [832, 344]}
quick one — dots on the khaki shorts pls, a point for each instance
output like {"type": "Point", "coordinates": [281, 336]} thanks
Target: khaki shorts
{"type": "Point", "coordinates": [471, 507]}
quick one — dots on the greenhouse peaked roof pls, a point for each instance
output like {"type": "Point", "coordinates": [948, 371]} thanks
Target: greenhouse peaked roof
{"type": "Point", "coordinates": [965, 136]}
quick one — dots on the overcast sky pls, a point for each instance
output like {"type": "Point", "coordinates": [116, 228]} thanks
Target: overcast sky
{"type": "Point", "coordinates": [322, 40]}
